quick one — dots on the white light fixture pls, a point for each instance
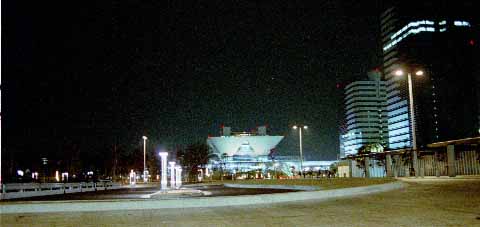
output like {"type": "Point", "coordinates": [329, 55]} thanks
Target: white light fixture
{"type": "Point", "coordinates": [419, 73]}
{"type": "Point", "coordinates": [399, 73]}
{"type": "Point", "coordinates": [295, 127]}
{"type": "Point", "coordinates": [57, 176]}
{"type": "Point", "coordinates": [163, 181]}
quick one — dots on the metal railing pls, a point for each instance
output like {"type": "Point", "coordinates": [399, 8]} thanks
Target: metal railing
{"type": "Point", "coordinates": [24, 190]}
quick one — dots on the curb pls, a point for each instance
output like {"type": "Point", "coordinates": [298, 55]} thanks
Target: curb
{"type": "Point", "coordinates": [288, 187]}
{"type": "Point", "coordinates": [222, 201]}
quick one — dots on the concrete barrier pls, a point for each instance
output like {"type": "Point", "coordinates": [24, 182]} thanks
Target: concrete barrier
{"type": "Point", "coordinates": [25, 190]}
{"type": "Point", "coordinates": [147, 204]}
{"type": "Point", "coordinates": [268, 186]}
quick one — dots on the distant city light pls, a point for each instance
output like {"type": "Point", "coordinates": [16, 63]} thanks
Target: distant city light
{"type": "Point", "coordinates": [20, 173]}
{"type": "Point", "coordinates": [398, 73]}
{"type": "Point", "coordinates": [419, 73]}
{"type": "Point", "coordinates": [57, 176]}
{"type": "Point", "coordinates": [132, 177]}
{"type": "Point", "coordinates": [65, 176]}
{"type": "Point", "coordinates": [410, 28]}
{"type": "Point", "coordinates": [295, 127]}
{"type": "Point", "coordinates": [461, 23]}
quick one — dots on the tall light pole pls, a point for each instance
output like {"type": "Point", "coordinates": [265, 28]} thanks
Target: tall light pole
{"type": "Point", "coordinates": [144, 159]}
{"type": "Point", "coordinates": [412, 114]}
{"type": "Point", "coordinates": [295, 127]}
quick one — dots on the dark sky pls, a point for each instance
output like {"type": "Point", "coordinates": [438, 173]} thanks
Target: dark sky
{"type": "Point", "coordinates": [89, 74]}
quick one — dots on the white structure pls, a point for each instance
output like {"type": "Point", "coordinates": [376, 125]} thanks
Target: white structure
{"type": "Point", "coordinates": [145, 174]}
{"type": "Point", "coordinates": [178, 177]}
{"type": "Point", "coordinates": [172, 174]}
{"type": "Point", "coordinates": [65, 176]}
{"type": "Point", "coordinates": [243, 145]}
{"type": "Point", "coordinates": [163, 181]}
{"type": "Point", "coordinates": [365, 114]}
{"type": "Point", "coordinates": [133, 177]}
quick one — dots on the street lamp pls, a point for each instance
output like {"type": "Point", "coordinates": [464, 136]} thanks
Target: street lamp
{"type": "Point", "coordinates": [144, 158]}
{"type": "Point", "coordinates": [295, 127]}
{"type": "Point", "coordinates": [400, 72]}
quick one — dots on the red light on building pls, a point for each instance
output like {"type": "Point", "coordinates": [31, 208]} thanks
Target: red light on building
{"type": "Point", "coordinates": [471, 42]}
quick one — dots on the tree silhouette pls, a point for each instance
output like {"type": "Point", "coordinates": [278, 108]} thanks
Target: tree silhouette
{"type": "Point", "coordinates": [192, 158]}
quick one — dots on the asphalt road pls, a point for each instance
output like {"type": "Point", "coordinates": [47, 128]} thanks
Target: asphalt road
{"type": "Point", "coordinates": [423, 203]}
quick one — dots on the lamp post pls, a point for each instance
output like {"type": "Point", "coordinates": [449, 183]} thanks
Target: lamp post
{"type": "Point", "coordinates": [144, 158]}
{"type": "Point", "coordinates": [412, 114]}
{"type": "Point", "coordinates": [295, 127]}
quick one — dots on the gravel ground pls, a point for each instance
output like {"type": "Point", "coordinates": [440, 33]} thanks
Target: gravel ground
{"type": "Point", "coordinates": [453, 202]}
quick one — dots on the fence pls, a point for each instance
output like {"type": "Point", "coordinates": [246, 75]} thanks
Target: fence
{"type": "Point", "coordinates": [23, 190]}
{"type": "Point", "coordinates": [465, 162]}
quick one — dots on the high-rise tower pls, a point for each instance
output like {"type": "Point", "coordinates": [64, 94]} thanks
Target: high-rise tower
{"type": "Point", "coordinates": [437, 37]}
{"type": "Point", "coordinates": [365, 114]}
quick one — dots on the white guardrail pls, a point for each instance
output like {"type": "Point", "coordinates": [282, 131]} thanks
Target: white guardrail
{"type": "Point", "coordinates": [24, 190]}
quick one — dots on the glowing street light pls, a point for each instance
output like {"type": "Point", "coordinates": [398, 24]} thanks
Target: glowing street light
{"type": "Point", "coordinates": [144, 159]}
{"type": "Point", "coordinates": [133, 178]}
{"type": "Point", "coordinates": [400, 72]}
{"type": "Point", "coordinates": [163, 181]}
{"type": "Point", "coordinates": [295, 127]}
{"type": "Point", "coordinates": [178, 177]}
{"type": "Point", "coordinates": [172, 174]}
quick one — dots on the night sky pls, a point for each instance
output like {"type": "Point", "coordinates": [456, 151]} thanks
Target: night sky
{"type": "Point", "coordinates": [89, 75]}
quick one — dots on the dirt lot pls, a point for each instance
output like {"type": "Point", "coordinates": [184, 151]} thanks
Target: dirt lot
{"type": "Point", "coordinates": [423, 203]}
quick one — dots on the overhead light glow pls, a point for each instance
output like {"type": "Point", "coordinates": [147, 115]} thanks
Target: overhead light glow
{"type": "Point", "coordinates": [399, 73]}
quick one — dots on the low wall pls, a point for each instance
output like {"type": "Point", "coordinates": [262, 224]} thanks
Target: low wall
{"type": "Point", "coordinates": [222, 201]}
{"type": "Point", "coordinates": [25, 190]}
{"type": "Point", "coordinates": [286, 187]}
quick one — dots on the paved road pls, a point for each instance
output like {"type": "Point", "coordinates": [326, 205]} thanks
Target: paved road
{"type": "Point", "coordinates": [422, 203]}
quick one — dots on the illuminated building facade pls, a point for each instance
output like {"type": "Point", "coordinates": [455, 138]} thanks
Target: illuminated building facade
{"type": "Point", "coordinates": [365, 114]}
{"type": "Point", "coordinates": [240, 152]}
{"type": "Point", "coordinates": [441, 39]}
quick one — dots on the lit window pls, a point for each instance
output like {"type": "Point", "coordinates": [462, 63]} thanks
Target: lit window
{"type": "Point", "coordinates": [442, 29]}
{"type": "Point", "coordinates": [461, 23]}
{"type": "Point", "coordinates": [397, 38]}
{"type": "Point", "coordinates": [443, 22]}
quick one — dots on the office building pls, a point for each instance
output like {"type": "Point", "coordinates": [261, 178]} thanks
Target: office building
{"type": "Point", "coordinates": [365, 114]}
{"type": "Point", "coordinates": [440, 38]}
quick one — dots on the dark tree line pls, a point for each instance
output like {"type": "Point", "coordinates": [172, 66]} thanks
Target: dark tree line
{"type": "Point", "coordinates": [193, 157]}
